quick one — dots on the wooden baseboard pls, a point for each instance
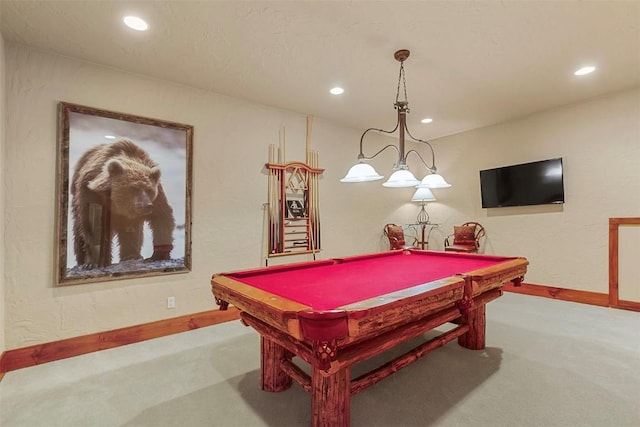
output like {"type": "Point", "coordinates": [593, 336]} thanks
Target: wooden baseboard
{"type": "Point", "coordinates": [627, 305]}
{"type": "Point", "coordinates": [42, 353]}
{"type": "Point", "coordinates": [584, 297]}
{"type": "Point", "coordinates": [48, 352]}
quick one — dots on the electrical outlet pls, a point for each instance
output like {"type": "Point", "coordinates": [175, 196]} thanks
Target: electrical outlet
{"type": "Point", "coordinates": [171, 302]}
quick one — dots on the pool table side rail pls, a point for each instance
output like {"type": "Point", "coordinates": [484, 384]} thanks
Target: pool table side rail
{"type": "Point", "coordinates": [360, 320]}
{"type": "Point", "coordinates": [275, 268]}
{"type": "Point", "coordinates": [370, 317]}
{"type": "Point", "coordinates": [376, 315]}
{"type": "Point", "coordinates": [497, 275]}
{"type": "Point", "coordinates": [451, 254]}
{"type": "Point", "coordinates": [273, 309]}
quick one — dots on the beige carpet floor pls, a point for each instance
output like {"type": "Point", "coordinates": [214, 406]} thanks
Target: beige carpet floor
{"type": "Point", "coordinates": [547, 363]}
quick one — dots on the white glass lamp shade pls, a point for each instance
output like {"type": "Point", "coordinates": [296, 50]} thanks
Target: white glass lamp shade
{"type": "Point", "coordinates": [423, 195]}
{"type": "Point", "coordinates": [433, 180]}
{"type": "Point", "coordinates": [361, 172]}
{"type": "Point", "coordinates": [401, 178]}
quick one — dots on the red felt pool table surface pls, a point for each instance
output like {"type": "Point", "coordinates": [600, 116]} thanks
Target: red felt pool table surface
{"type": "Point", "coordinates": [327, 285]}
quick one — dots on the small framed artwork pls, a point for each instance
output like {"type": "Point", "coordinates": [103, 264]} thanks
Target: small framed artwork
{"type": "Point", "coordinates": [124, 196]}
{"type": "Point", "coordinates": [295, 208]}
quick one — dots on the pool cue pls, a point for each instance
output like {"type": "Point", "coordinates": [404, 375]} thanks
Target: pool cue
{"type": "Point", "coordinates": [283, 145]}
{"type": "Point", "coordinates": [308, 140]}
{"type": "Point", "coordinates": [312, 203]}
{"type": "Point", "coordinates": [316, 203]}
{"type": "Point", "coordinates": [265, 230]}
{"type": "Point", "coordinates": [270, 199]}
{"type": "Point", "coordinates": [311, 187]}
{"type": "Point", "coordinates": [274, 197]}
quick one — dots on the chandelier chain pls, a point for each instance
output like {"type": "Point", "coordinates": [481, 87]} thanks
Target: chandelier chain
{"type": "Point", "coordinates": [401, 78]}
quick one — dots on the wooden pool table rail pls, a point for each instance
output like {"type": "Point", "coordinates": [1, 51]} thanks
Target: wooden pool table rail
{"type": "Point", "coordinates": [369, 317]}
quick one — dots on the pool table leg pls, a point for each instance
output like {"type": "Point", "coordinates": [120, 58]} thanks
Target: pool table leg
{"type": "Point", "coordinates": [272, 377]}
{"type": "Point", "coordinates": [475, 317]}
{"type": "Point", "coordinates": [331, 398]}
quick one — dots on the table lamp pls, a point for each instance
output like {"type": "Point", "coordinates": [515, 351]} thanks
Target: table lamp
{"type": "Point", "coordinates": [422, 196]}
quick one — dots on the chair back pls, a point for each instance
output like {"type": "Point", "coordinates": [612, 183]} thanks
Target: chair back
{"type": "Point", "coordinates": [465, 238]}
{"type": "Point", "coordinates": [395, 234]}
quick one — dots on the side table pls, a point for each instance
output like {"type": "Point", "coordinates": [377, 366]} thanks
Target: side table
{"type": "Point", "coordinates": [423, 231]}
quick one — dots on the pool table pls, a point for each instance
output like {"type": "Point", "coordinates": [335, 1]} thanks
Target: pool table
{"type": "Point", "coordinates": [337, 312]}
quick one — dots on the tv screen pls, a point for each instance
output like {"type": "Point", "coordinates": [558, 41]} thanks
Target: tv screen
{"type": "Point", "coordinates": [534, 183]}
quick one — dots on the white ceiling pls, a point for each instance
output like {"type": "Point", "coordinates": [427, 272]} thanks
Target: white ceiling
{"type": "Point", "coordinates": [472, 64]}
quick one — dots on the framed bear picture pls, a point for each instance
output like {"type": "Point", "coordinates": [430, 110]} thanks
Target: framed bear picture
{"type": "Point", "coordinates": [124, 196]}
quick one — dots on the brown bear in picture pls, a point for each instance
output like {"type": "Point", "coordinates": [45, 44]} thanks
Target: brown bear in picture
{"type": "Point", "coordinates": [116, 189]}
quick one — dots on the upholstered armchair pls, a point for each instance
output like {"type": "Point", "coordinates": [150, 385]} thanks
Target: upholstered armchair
{"type": "Point", "coordinates": [395, 234]}
{"type": "Point", "coordinates": [465, 238]}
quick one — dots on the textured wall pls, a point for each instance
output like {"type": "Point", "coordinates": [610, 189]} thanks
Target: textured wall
{"type": "Point", "coordinates": [567, 245]}
{"type": "Point", "coordinates": [231, 140]}
{"type": "Point", "coordinates": [2, 200]}
{"type": "Point", "coordinates": [628, 266]}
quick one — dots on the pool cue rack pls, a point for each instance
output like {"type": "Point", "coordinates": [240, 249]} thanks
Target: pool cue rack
{"type": "Point", "coordinates": [293, 224]}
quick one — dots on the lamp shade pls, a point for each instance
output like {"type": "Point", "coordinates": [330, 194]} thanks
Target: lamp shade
{"type": "Point", "coordinates": [361, 172]}
{"type": "Point", "coordinates": [433, 181]}
{"type": "Point", "coordinates": [401, 178]}
{"type": "Point", "coordinates": [423, 194]}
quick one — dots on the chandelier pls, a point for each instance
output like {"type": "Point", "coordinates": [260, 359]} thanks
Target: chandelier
{"type": "Point", "coordinates": [402, 176]}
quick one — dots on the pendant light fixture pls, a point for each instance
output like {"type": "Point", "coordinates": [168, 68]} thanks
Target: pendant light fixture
{"type": "Point", "coordinates": [402, 176]}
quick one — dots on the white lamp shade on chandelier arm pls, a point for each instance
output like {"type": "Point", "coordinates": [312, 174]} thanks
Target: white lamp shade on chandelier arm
{"type": "Point", "coordinates": [361, 172]}
{"type": "Point", "coordinates": [433, 180]}
{"type": "Point", "coordinates": [401, 177]}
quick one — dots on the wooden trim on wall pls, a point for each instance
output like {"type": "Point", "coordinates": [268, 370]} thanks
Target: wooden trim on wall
{"type": "Point", "coordinates": [34, 355]}
{"type": "Point", "coordinates": [594, 298]}
{"type": "Point", "coordinates": [614, 299]}
{"type": "Point", "coordinates": [583, 297]}
{"type": "Point", "coordinates": [49, 352]}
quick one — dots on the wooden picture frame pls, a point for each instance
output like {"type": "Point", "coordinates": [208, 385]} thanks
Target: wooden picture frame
{"type": "Point", "coordinates": [124, 196]}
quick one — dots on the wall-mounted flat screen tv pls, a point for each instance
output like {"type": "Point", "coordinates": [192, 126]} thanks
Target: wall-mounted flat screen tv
{"type": "Point", "coordinates": [535, 183]}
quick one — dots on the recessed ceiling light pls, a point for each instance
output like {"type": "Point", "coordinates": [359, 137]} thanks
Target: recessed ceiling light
{"type": "Point", "coordinates": [585, 70]}
{"type": "Point", "coordinates": [135, 23]}
{"type": "Point", "coordinates": [337, 91]}
{"type": "Point", "coordinates": [426, 120]}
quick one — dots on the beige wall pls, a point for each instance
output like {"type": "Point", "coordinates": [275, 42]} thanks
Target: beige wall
{"type": "Point", "coordinates": [628, 266]}
{"type": "Point", "coordinates": [2, 200]}
{"type": "Point", "coordinates": [231, 140]}
{"type": "Point", "coordinates": [567, 245]}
